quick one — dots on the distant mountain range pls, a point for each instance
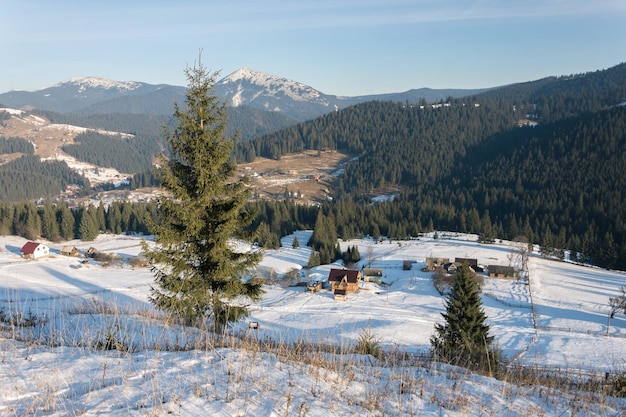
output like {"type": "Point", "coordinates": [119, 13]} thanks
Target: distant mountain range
{"type": "Point", "coordinates": [244, 87]}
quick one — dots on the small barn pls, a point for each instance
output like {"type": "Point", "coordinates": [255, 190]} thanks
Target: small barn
{"type": "Point", "coordinates": [340, 294]}
{"type": "Point", "coordinates": [501, 271]}
{"type": "Point", "coordinates": [373, 275]}
{"type": "Point", "coordinates": [344, 279]}
{"type": "Point", "coordinates": [70, 251]}
{"type": "Point", "coordinates": [34, 250]}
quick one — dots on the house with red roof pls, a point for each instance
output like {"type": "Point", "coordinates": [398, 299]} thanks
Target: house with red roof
{"type": "Point", "coordinates": [34, 250]}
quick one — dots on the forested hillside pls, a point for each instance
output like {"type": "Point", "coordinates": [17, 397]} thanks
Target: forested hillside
{"type": "Point", "coordinates": [469, 167]}
{"type": "Point", "coordinates": [129, 155]}
{"type": "Point", "coordinates": [27, 178]}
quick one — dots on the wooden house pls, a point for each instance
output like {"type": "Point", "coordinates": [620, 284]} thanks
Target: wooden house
{"type": "Point", "coordinates": [34, 250]}
{"type": "Point", "coordinates": [344, 279]}
{"type": "Point", "coordinates": [471, 262]}
{"type": "Point", "coordinates": [501, 271]}
{"type": "Point", "coordinates": [434, 263]}
{"type": "Point", "coordinates": [70, 251]}
{"type": "Point", "coordinates": [373, 275]}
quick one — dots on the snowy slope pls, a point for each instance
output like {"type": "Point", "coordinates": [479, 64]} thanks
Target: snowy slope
{"type": "Point", "coordinates": [172, 370]}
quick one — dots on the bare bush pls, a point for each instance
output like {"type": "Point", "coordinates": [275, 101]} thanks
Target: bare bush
{"type": "Point", "coordinates": [107, 259]}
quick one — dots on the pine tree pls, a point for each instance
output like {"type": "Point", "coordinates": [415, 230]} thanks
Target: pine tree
{"type": "Point", "coordinates": [101, 218]}
{"type": "Point", "coordinates": [49, 225]}
{"type": "Point", "coordinates": [66, 220]}
{"type": "Point", "coordinates": [114, 219]}
{"type": "Point", "coordinates": [199, 275]}
{"type": "Point", "coordinates": [88, 226]}
{"type": "Point", "coordinates": [464, 339]}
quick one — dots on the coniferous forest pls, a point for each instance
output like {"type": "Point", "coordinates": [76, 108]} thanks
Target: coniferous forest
{"type": "Point", "coordinates": [542, 160]}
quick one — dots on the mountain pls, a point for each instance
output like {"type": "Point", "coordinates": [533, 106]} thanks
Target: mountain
{"type": "Point", "coordinates": [302, 102]}
{"type": "Point", "coordinates": [77, 94]}
{"type": "Point", "coordinates": [244, 87]}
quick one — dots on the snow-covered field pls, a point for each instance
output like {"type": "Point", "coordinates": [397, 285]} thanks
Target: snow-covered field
{"type": "Point", "coordinates": [558, 319]}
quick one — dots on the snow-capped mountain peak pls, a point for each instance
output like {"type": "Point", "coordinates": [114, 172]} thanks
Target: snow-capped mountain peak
{"type": "Point", "coordinates": [246, 85]}
{"type": "Point", "coordinates": [84, 83]}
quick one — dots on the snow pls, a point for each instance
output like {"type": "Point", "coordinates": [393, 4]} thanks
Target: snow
{"type": "Point", "coordinates": [271, 84]}
{"type": "Point", "coordinates": [95, 174]}
{"type": "Point", "coordinates": [160, 368]}
{"type": "Point", "coordinates": [98, 82]}
{"type": "Point", "coordinates": [14, 112]}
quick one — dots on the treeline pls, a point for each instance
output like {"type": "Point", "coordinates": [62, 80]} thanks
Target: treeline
{"type": "Point", "coordinates": [129, 155]}
{"type": "Point", "coordinates": [144, 124]}
{"type": "Point", "coordinates": [247, 121]}
{"type": "Point", "coordinates": [556, 98]}
{"type": "Point", "coordinates": [57, 222]}
{"type": "Point", "coordinates": [29, 178]}
{"type": "Point", "coordinates": [16, 145]}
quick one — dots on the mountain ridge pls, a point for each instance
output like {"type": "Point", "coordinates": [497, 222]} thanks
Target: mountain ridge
{"type": "Point", "coordinates": [245, 86]}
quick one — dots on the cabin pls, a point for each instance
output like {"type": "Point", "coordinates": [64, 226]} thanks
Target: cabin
{"type": "Point", "coordinates": [434, 263]}
{"type": "Point", "coordinates": [373, 275]}
{"type": "Point", "coordinates": [344, 279]}
{"type": "Point", "coordinates": [34, 250]}
{"type": "Point", "coordinates": [471, 262]}
{"type": "Point", "coordinates": [501, 271]}
{"type": "Point", "coordinates": [314, 286]}
{"type": "Point", "coordinates": [70, 251]}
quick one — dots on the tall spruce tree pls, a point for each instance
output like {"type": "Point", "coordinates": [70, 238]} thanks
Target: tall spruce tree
{"type": "Point", "coordinates": [464, 339]}
{"type": "Point", "coordinates": [197, 269]}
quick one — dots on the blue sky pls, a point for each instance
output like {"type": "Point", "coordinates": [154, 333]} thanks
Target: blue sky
{"type": "Point", "coordinates": [338, 47]}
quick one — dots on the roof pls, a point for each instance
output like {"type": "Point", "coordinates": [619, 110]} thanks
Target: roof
{"type": "Point", "coordinates": [468, 261]}
{"type": "Point", "coordinates": [501, 269]}
{"type": "Point", "coordinates": [29, 248]}
{"type": "Point", "coordinates": [373, 272]}
{"type": "Point", "coordinates": [352, 276]}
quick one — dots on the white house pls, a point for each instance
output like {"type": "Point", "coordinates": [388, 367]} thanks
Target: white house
{"type": "Point", "coordinates": [34, 250]}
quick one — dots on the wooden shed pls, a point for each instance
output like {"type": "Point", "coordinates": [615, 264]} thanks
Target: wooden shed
{"type": "Point", "coordinates": [340, 294]}
{"type": "Point", "coordinates": [501, 271]}
{"type": "Point", "coordinates": [471, 262]}
{"type": "Point", "coordinates": [70, 251]}
{"type": "Point", "coordinates": [373, 275]}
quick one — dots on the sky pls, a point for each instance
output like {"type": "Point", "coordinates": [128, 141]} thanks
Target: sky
{"type": "Point", "coordinates": [341, 47]}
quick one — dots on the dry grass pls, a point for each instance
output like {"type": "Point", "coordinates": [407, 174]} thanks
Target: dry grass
{"type": "Point", "coordinates": [242, 371]}
{"type": "Point", "coordinates": [309, 176]}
